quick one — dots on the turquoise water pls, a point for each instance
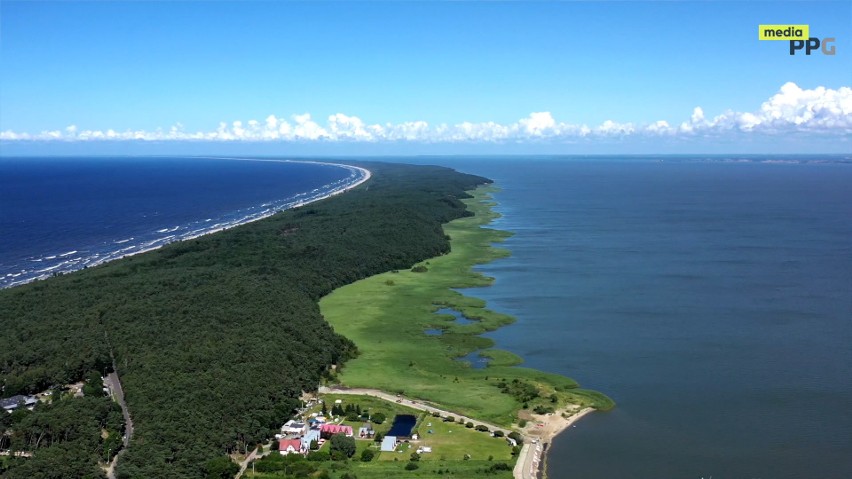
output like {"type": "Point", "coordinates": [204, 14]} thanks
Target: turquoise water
{"type": "Point", "coordinates": [711, 299]}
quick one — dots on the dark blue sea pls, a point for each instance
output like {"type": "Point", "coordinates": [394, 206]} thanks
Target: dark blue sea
{"type": "Point", "coordinates": [62, 214]}
{"type": "Point", "coordinates": [710, 297]}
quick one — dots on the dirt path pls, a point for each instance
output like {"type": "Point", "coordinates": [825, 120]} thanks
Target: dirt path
{"type": "Point", "coordinates": [114, 384]}
{"type": "Point", "coordinates": [412, 404]}
{"type": "Point", "coordinates": [530, 457]}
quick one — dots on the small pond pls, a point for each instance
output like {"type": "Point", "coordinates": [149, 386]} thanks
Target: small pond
{"type": "Point", "coordinates": [476, 361]}
{"type": "Point", "coordinates": [402, 425]}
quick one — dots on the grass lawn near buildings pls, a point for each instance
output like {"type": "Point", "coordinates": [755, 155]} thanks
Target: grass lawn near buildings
{"type": "Point", "coordinates": [396, 470]}
{"type": "Point", "coordinates": [450, 443]}
{"type": "Point", "coordinates": [387, 316]}
{"type": "Point", "coordinates": [448, 440]}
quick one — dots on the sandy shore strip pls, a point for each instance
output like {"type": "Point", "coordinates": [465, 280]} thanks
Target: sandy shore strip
{"type": "Point", "coordinates": [539, 433]}
{"type": "Point", "coordinates": [362, 176]}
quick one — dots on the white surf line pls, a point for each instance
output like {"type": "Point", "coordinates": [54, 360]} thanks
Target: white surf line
{"type": "Point", "coordinates": [365, 175]}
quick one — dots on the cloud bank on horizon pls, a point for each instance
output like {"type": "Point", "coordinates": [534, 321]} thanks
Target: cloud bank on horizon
{"type": "Point", "coordinates": [820, 111]}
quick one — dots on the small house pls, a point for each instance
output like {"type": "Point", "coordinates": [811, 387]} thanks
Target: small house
{"type": "Point", "coordinates": [12, 403]}
{"type": "Point", "coordinates": [293, 427]}
{"type": "Point", "coordinates": [312, 435]}
{"type": "Point", "coordinates": [328, 430]}
{"type": "Point", "coordinates": [389, 443]}
{"type": "Point", "coordinates": [289, 446]}
{"type": "Point", "coordinates": [366, 431]}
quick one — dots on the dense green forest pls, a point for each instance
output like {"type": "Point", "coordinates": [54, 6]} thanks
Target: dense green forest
{"type": "Point", "coordinates": [215, 338]}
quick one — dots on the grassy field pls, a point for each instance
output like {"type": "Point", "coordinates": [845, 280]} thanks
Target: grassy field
{"type": "Point", "coordinates": [451, 442]}
{"type": "Point", "coordinates": [394, 470]}
{"type": "Point", "coordinates": [387, 316]}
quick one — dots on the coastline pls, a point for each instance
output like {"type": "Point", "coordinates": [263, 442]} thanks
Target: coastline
{"type": "Point", "coordinates": [542, 429]}
{"type": "Point", "coordinates": [555, 426]}
{"type": "Point", "coordinates": [375, 304]}
{"type": "Point", "coordinates": [363, 175]}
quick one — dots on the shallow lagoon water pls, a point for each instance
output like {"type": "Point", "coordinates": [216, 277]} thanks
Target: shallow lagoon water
{"type": "Point", "coordinates": [710, 298]}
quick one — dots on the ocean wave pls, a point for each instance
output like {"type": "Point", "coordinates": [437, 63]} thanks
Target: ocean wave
{"type": "Point", "coordinates": [108, 251]}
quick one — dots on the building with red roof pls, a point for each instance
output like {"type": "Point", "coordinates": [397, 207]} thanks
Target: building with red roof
{"type": "Point", "coordinates": [328, 430]}
{"type": "Point", "coordinates": [289, 446]}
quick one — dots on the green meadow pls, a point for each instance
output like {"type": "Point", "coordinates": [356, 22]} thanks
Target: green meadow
{"type": "Point", "coordinates": [396, 469]}
{"type": "Point", "coordinates": [448, 440]}
{"type": "Point", "coordinates": [456, 450]}
{"type": "Point", "coordinates": [387, 317]}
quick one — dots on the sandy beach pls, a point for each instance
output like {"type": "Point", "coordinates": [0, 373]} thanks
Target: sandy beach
{"type": "Point", "coordinates": [539, 432]}
{"type": "Point", "coordinates": [362, 175]}
{"type": "Point", "coordinates": [365, 175]}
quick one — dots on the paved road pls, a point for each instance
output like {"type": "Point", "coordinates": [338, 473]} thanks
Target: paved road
{"type": "Point", "coordinates": [528, 461]}
{"type": "Point", "coordinates": [114, 384]}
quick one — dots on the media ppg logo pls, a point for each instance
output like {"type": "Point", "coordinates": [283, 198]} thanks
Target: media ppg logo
{"type": "Point", "coordinates": [799, 38]}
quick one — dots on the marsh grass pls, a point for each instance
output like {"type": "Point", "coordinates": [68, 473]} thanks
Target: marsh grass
{"type": "Point", "coordinates": [387, 315]}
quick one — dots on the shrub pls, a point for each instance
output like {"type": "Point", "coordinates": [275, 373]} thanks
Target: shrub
{"type": "Point", "coordinates": [419, 269]}
{"type": "Point", "coordinates": [220, 467]}
{"type": "Point", "coordinates": [481, 428]}
{"type": "Point", "coordinates": [469, 425]}
{"type": "Point", "coordinates": [498, 433]}
{"type": "Point", "coordinates": [319, 456]}
{"type": "Point", "coordinates": [367, 455]}
{"type": "Point", "coordinates": [378, 418]}
{"type": "Point", "coordinates": [411, 466]}
{"type": "Point", "coordinates": [543, 409]}
{"type": "Point", "coordinates": [342, 446]}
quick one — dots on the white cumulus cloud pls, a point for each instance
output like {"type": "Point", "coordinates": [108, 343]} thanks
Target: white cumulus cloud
{"type": "Point", "coordinates": [821, 111]}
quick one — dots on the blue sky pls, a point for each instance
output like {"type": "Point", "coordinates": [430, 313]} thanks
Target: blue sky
{"type": "Point", "coordinates": [408, 76]}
